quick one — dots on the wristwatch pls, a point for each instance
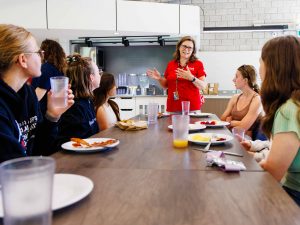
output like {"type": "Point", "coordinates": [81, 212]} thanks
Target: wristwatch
{"type": "Point", "coordinates": [194, 79]}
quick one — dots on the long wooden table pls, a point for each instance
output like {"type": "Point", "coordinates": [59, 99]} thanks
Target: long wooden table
{"type": "Point", "coordinates": [146, 181]}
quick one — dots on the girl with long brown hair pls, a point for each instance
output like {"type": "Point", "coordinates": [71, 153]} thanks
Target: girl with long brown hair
{"type": "Point", "coordinates": [280, 93]}
{"type": "Point", "coordinates": [107, 111]}
{"type": "Point", "coordinates": [54, 64]}
{"type": "Point", "coordinates": [80, 120]}
{"type": "Point", "coordinates": [245, 109]}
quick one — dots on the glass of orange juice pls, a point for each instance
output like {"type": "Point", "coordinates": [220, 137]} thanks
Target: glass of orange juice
{"type": "Point", "coordinates": [180, 124]}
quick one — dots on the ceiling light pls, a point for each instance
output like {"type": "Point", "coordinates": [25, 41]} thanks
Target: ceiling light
{"type": "Point", "coordinates": [246, 28]}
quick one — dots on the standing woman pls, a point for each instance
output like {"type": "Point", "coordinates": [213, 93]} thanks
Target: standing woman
{"type": "Point", "coordinates": [23, 131]}
{"type": "Point", "coordinates": [280, 93]}
{"type": "Point", "coordinates": [184, 77]}
{"type": "Point", "coordinates": [107, 111]}
{"type": "Point", "coordinates": [54, 64]}
{"type": "Point", "coordinates": [80, 120]}
{"type": "Point", "coordinates": [244, 110]}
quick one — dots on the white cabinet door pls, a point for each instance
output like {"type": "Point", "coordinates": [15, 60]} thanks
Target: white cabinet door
{"type": "Point", "coordinates": [160, 18]}
{"type": "Point", "coordinates": [141, 104]}
{"type": "Point", "coordinates": [189, 20]}
{"type": "Point", "coordinates": [82, 14]}
{"type": "Point", "coordinates": [30, 14]}
{"type": "Point", "coordinates": [126, 106]}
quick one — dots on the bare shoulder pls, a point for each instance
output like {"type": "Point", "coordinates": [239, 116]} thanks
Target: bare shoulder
{"type": "Point", "coordinates": [234, 97]}
{"type": "Point", "coordinates": [257, 99]}
{"type": "Point", "coordinates": [100, 109]}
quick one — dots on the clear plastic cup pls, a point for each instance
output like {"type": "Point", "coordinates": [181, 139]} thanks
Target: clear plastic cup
{"type": "Point", "coordinates": [185, 106]}
{"type": "Point", "coordinates": [238, 133]}
{"type": "Point", "coordinates": [180, 125]}
{"type": "Point", "coordinates": [152, 113]}
{"type": "Point", "coordinates": [27, 185]}
{"type": "Point", "coordinates": [59, 88]}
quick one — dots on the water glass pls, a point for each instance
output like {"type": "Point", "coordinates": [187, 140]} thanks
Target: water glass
{"type": "Point", "coordinates": [27, 190]}
{"type": "Point", "coordinates": [185, 106]}
{"type": "Point", "coordinates": [59, 88]}
{"type": "Point", "coordinates": [180, 125]}
{"type": "Point", "coordinates": [152, 113]}
{"type": "Point", "coordinates": [238, 133]}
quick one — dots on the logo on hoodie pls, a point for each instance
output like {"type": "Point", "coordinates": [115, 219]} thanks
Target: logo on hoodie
{"type": "Point", "coordinates": [26, 128]}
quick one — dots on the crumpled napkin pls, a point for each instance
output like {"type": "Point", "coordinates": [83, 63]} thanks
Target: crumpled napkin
{"type": "Point", "coordinates": [218, 158]}
{"type": "Point", "coordinates": [132, 125]}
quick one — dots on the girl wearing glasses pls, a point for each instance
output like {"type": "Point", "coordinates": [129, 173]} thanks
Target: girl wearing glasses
{"type": "Point", "coordinates": [184, 77]}
{"type": "Point", "coordinates": [280, 93]}
{"type": "Point", "coordinates": [80, 120]}
{"type": "Point", "coordinates": [245, 109]}
{"type": "Point", "coordinates": [24, 131]}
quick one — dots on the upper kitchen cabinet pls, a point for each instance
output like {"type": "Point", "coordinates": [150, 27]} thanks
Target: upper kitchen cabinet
{"type": "Point", "coordinates": [147, 17]}
{"type": "Point", "coordinates": [189, 20]}
{"type": "Point", "coordinates": [82, 14]}
{"type": "Point", "coordinates": [30, 14]}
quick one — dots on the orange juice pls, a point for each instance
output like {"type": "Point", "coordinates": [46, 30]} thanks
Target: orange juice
{"type": "Point", "coordinates": [180, 143]}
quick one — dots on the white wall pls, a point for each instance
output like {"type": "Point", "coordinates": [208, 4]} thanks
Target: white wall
{"type": "Point", "coordinates": [220, 67]}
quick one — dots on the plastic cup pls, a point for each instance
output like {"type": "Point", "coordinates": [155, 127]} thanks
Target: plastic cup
{"type": "Point", "coordinates": [152, 113]}
{"type": "Point", "coordinates": [185, 106]}
{"type": "Point", "coordinates": [180, 125]}
{"type": "Point", "coordinates": [238, 133]}
{"type": "Point", "coordinates": [27, 190]}
{"type": "Point", "coordinates": [59, 88]}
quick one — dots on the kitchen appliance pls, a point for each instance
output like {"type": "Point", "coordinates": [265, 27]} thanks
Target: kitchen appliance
{"type": "Point", "coordinates": [89, 52]}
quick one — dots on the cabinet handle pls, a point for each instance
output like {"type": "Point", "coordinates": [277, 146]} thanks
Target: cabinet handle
{"type": "Point", "coordinates": [126, 109]}
{"type": "Point", "coordinates": [126, 97]}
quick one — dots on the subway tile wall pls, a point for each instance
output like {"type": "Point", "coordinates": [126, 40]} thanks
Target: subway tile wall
{"type": "Point", "coordinates": [242, 13]}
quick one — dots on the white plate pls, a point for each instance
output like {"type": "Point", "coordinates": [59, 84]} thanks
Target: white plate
{"type": "Point", "coordinates": [218, 123]}
{"type": "Point", "coordinates": [209, 135]}
{"type": "Point", "coordinates": [192, 127]}
{"type": "Point", "coordinates": [68, 145]}
{"type": "Point", "coordinates": [200, 115]}
{"type": "Point", "coordinates": [67, 190]}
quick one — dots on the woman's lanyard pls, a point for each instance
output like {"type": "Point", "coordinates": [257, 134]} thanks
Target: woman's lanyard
{"type": "Point", "coordinates": [175, 93]}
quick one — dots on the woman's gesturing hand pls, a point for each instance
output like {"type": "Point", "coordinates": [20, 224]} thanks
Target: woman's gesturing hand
{"type": "Point", "coordinates": [184, 74]}
{"type": "Point", "coordinates": [153, 74]}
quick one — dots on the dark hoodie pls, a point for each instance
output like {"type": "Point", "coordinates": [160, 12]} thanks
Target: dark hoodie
{"type": "Point", "coordinates": [78, 121]}
{"type": "Point", "coordinates": [23, 131]}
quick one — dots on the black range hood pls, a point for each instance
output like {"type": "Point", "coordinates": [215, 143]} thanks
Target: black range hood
{"type": "Point", "coordinates": [161, 40]}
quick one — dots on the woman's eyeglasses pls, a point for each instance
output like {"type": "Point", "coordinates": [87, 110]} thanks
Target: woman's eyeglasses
{"type": "Point", "coordinates": [39, 52]}
{"type": "Point", "coordinates": [187, 47]}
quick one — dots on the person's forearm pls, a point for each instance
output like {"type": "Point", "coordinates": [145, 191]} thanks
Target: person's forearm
{"type": "Point", "coordinates": [200, 84]}
{"type": "Point", "coordinates": [163, 82]}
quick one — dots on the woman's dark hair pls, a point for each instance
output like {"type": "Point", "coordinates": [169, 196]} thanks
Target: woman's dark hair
{"type": "Point", "coordinates": [54, 54]}
{"type": "Point", "coordinates": [176, 55]}
{"type": "Point", "coordinates": [79, 70]}
{"type": "Point", "coordinates": [101, 93]}
{"type": "Point", "coordinates": [249, 72]}
{"type": "Point", "coordinates": [281, 57]}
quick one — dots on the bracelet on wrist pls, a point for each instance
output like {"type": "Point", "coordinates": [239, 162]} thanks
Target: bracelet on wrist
{"type": "Point", "coordinates": [194, 79]}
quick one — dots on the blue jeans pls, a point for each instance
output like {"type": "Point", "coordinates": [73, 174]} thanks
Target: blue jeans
{"type": "Point", "coordinates": [295, 195]}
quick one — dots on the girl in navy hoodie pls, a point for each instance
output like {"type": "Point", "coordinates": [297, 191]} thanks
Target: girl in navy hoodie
{"type": "Point", "coordinates": [80, 120]}
{"type": "Point", "coordinates": [23, 130]}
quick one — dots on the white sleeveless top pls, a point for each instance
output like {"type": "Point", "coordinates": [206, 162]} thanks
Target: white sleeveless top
{"type": "Point", "coordinates": [111, 116]}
